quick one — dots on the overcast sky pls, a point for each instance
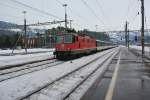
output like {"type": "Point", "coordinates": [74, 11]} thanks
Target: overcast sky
{"type": "Point", "coordinates": [107, 14]}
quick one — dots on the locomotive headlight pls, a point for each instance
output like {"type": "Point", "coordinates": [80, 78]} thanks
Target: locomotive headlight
{"type": "Point", "coordinates": [62, 46]}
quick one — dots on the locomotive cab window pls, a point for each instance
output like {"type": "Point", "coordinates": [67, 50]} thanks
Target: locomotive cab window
{"type": "Point", "coordinates": [59, 39]}
{"type": "Point", "coordinates": [69, 39]}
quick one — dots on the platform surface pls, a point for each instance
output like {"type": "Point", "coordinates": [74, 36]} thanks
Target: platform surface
{"type": "Point", "coordinates": [132, 80]}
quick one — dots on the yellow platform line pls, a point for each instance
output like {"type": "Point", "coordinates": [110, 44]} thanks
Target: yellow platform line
{"type": "Point", "coordinates": [110, 91]}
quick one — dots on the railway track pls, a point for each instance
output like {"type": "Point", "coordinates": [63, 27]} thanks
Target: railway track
{"type": "Point", "coordinates": [62, 87]}
{"type": "Point", "coordinates": [22, 53]}
{"type": "Point", "coordinates": [3, 67]}
{"type": "Point", "coordinates": [25, 69]}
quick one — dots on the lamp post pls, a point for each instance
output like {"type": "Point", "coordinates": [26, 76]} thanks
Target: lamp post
{"type": "Point", "coordinates": [96, 30]}
{"type": "Point", "coordinates": [65, 6]}
{"type": "Point", "coordinates": [25, 30]}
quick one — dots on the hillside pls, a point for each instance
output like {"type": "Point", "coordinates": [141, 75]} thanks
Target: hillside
{"type": "Point", "coordinates": [7, 25]}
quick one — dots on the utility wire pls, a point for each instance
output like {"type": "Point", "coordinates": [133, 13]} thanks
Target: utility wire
{"type": "Point", "coordinates": [103, 14]}
{"type": "Point", "coordinates": [92, 11]}
{"type": "Point", "coordinates": [59, 2]}
{"type": "Point", "coordinates": [10, 6]}
{"type": "Point", "coordinates": [73, 11]}
{"type": "Point", "coordinates": [128, 10]}
{"type": "Point", "coordinates": [146, 21]}
{"type": "Point", "coordinates": [130, 7]}
{"type": "Point", "coordinates": [101, 9]}
{"type": "Point", "coordinates": [81, 17]}
{"type": "Point", "coordinates": [77, 14]}
{"type": "Point", "coordinates": [36, 9]}
{"type": "Point", "coordinates": [134, 18]}
{"type": "Point", "coordinates": [146, 29]}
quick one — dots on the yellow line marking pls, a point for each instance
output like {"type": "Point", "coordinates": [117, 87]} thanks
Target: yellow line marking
{"type": "Point", "coordinates": [110, 91]}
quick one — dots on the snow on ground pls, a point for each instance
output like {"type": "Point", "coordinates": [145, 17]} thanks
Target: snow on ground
{"type": "Point", "coordinates": [20, 86]}
{"type": "Point", "coordinates": [60, 89]}
{"type": "Point", "coordinates": [147, 49]}
{"type": "Point", "coordinates": [22, 59]}
{"type": "Point", "coordinates": [22, 51]}
{"type": "Point", "coordinates": [82, 89]}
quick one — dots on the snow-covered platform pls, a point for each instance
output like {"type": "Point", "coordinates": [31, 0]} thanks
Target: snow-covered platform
{"type": "Point", "coordinates": [20, 58]}
{"type": "Point", "coordinates": [11, 52]}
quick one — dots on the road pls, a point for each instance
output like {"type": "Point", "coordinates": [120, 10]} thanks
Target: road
{"type": "Point", "coordinates": [127, 78]}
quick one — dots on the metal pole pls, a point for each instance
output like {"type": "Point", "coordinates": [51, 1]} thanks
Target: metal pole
{"type": "Point", "coordinates": [65, 5]}
{"type": "Point", "coordinates": [142, 28]}
{"type": "Point", "coordinates": [25, 30]}
{"type": "Point", "coordinates": [128, 39]}
{"type": "Point", "coordinates": [95, 30]}
{"type": "Point", "coordinates": [70, 24]}
{"type": "Point", "coordinates": [96, 27]}
{"type": "Point", "coordinates": [126, 25]}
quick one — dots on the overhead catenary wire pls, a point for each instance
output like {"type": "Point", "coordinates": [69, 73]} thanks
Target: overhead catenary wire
{"type": "Point", "coordinates": [10, 6]}
{"type": "Point", "coordinates": [128, 10]}
{"type": "Point", "coordinates": [131, 7]}
{"type": "Point", "coordinates": [101, 9]}
{"type": "Point", "coordinates": [36, 9]}
{"type": "Point", "coordinates": [130, 4]}
{"type": "Point", "coordinates": [137, 13]}
{"type": "Point", "coordinates": [59, 2]}
{"type": "Point", "coordinates": [9, 15]}
{"type": "Point", "coordinates": [20, 10]}
{"type": "Point", "coordinates": [134, 18]}
{"type": "Point", "coordinates": [146, 26]}
{"type": "Point", "coordinates": [92, 11]}
{"type": "Point", "coordinates": [75, 13]}
{"type": "Point", "coordinates": [104, 14]}
{"type": "Point", "coordinates": [146, 21]}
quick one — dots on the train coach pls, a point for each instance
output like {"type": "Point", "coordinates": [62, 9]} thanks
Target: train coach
{"type": "Point", "coordinates": [104, 45]}
{"type": "Point", "coordinates": [75, 45]}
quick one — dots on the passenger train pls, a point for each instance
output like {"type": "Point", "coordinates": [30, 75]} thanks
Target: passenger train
{"type": "Point", "coordinates": [74, 45]}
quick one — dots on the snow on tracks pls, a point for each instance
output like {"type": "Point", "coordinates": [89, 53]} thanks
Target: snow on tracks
{"type": "Point", "coordinates": [18, 60]}
{"type": "Point", "coordinates": [29, 68]}
{"type": "Point", "coordinates": [79, 92]}
{"type": "Point", "coordinates": [24, 85]}
{"type": "Point", "coordinates": [22, 51]}
{"type": "Point", "coordinates": [62, 88]}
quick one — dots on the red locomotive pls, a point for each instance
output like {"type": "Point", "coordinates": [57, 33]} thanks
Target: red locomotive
{"type": "Point", "coordinates": [71, 45]}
